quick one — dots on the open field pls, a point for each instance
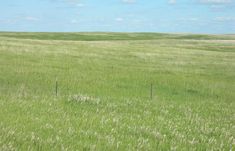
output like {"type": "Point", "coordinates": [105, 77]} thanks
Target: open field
{"type": "Point", "coordinates": [103, 99]}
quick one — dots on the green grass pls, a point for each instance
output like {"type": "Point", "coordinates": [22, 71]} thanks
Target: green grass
{"type": "Point", "coordinates": [101, 36]}
{"type": "Point", "coordinates": [103, 100]}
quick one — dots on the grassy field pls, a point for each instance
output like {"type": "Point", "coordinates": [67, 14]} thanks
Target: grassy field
{"type": "Point", "coordinates": [103, 99]}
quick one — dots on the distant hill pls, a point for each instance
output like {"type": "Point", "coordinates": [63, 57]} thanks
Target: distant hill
{"type": "Point", "coordinates": [101, 36]}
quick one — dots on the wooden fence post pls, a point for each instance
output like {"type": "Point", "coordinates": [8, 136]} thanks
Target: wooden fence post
{"type": "Point", "coordinates": [151, 91]}
{"type": "Point", "coordinates": [56, 87]}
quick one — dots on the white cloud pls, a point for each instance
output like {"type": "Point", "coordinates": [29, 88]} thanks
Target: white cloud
{"type": "Point", "coordinates": [119, 19]}
{"type": "Point", "coordinates": [225, 19]}
{"type": "Point", "coordinates": [80, 5]}
{"type": "Point", "coordinates": [218, 5]}
{"type": "Point", "coordinates": [74, 21]}
{"type": "Point", "coordinates": [172, 1]}
{"type": "Point", "coordinates": [192, 19]}
{"type": "Point", "coordinates": [18, 19]}
{"type": "Point", "coordinates": [129, 1]}
{"type": "Point", "coordinates": [215, 1]}
{"type": "Point", "coordinates": [31, 18]}
{"type": "Point", "coordinates": [74, 3]}
{"type": "Point", "coordinates": [8, 21]}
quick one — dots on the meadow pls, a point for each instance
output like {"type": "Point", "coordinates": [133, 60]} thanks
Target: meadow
{"type": "Point", "coordinates": [117, 91]}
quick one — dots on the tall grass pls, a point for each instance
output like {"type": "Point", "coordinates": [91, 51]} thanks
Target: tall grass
{"type": "Point", "coordinates": [103, 97]}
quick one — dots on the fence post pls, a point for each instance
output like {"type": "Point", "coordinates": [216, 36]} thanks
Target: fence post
{"type": "Point", "coordinates": [56, 87]}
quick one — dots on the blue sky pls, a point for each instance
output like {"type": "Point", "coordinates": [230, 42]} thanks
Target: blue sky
{"type": "Point", "coordinates": [171, 16]}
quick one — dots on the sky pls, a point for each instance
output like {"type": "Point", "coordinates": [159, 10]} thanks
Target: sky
{"type": "Point", "coordinates": [165, 16]}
